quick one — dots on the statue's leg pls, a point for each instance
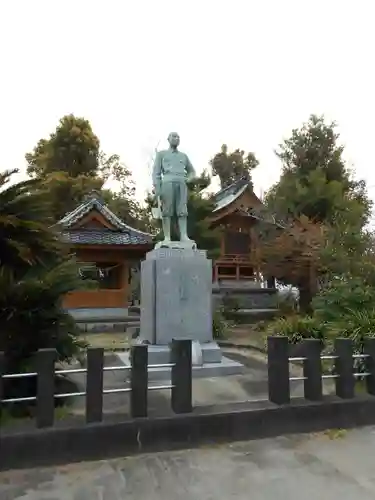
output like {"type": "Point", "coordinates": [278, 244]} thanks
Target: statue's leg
{"type": "Point", "coordinates": [167, 209]}
{"type": "Point", "coordinates": [166, 224]}
{"type": "Point", "coordinates": [181, 208]}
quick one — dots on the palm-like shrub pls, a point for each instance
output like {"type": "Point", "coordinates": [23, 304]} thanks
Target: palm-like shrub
{"type": "Point", "coordinates": [25, 235]}
{"type": "Point", "coordinates": [297, 328]}
{"type": "Point", "coordinates": [32, 316]}
{"type": "Point", "coordinates": [35, 275]}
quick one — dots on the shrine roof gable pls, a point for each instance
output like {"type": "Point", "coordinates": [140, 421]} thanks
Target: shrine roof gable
{"type": "Point", "coordinates": [113, 231]}
{"type": "Point", "coordinates": [225, 197]}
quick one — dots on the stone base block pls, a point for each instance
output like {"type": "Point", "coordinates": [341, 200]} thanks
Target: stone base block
{"type": "Point", "coordinates": [208, 352]}
{"type": "Point", "coordinates": [176, 291]}
{"type": "Point", "coordinates": [225, 367]}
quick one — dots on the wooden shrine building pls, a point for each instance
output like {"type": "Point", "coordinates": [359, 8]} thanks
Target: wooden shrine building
{"type": "Point", "coordinates": [105, 247]}
{"type": "Point", "coordinates": [232, 214]}
{"type": "Point", "coordinates": [112, 250]}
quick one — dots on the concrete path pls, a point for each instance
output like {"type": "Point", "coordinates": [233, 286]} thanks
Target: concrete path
{"type": "Point", "coordinates": [249, 386]}
{"type": "Point", "coordinates": [323, 466]}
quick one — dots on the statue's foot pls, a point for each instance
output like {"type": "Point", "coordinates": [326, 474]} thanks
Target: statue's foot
{"type": "Point", "coordinates": [188, 241]}
{"type": "Point", "coordinates": [166, 243]}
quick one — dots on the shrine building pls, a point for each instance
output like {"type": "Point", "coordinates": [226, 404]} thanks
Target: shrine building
{"type": "Point", "coordinates": [111, 250]}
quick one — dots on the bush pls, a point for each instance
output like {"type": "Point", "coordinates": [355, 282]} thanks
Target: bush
{"type": "Point", "coordinates": [220, 324]}
{"type": "Point", "coordinates": [287, 302]}
{"type": "Point", "coordinates": [340, 297]}
{"type": "Point", "coordinates": [346, 308]}
{"type": "Point", "coordinates": [230, 307]}
{"type": "Point", "coordinates": [32, 318]}
{"type": "Point", "coordinates": [296, 328]}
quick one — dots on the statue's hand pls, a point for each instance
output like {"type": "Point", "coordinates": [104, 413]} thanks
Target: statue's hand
{"type": "Point", "coordinates": [190, 178]}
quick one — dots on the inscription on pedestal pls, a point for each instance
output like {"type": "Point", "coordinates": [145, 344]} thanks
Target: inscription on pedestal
{"type": "Point", "coordinates": [176, 296]}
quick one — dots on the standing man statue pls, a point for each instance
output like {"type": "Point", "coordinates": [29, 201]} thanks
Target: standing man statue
{"type": "Point", "coordinates": [171, 173]}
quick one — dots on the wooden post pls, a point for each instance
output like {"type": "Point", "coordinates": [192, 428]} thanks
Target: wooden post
{"type": "Point", "coordinates": [344, 368]}
{"type": "Point", "coordinates": [94, 385]}
{"type": "Point", "coordinates": [312, 370]}
{"type": "Point", "coordinates": [45, 402]}
{"type": "Point", "coordinates": [278, 370]}
{"type": "Point", "coordinates": [2, 371]}
{"type": "Point", "coordinates": [370, 365]}
{"type": "Point", "coordinates": [139, 381]}
{"type": "Point", "coordinates": [181, 376]}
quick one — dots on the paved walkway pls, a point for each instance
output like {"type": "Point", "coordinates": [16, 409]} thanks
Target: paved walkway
{"type": "Point", "coordinates": [287, 468]}
{"type": "Point", "coordinates": [250, 385]}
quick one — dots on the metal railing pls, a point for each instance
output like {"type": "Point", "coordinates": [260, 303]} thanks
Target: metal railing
{"type": "Point", "coordinates": [181, 372]}
{"type": "Point", "coordinates": [345, 374]}
{"type": "Point", "coordinates": [329, 357]}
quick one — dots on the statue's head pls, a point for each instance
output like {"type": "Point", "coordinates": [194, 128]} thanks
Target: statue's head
{"type": "Point", "coordinates": [174, 139]}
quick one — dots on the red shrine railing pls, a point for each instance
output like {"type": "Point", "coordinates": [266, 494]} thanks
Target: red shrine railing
{"type": "Point", "coordinates": [233, 267]}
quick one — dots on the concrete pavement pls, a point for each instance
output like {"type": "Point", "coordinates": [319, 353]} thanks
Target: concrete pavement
{"type": "Point", "coordinates": [286, 468]}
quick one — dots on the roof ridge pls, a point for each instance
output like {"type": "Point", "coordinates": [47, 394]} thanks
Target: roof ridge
{"type": "Point", "coordinates": [78, 213]}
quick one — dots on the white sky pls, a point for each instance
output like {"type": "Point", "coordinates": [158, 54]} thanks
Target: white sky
{"type": "Point", "coordinates": [240, 72]}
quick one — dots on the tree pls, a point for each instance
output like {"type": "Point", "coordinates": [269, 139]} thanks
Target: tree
{"type": "Point", "coordinates": [316, 184]}
{"type": "Point", "coordinates": [315, 180]}
{"type": "Point", "coordinates": [200, 208]}
{"type": "Point", "coordinates": [66, 193]}
{"type": "Point", "coordinates": [292, 253]}
{"type": "Point", "coordinates": [35, 275]}
{"type": "Point", "coordinates": [71, 164]}
{"type": "Point", "coordinates": [73, 148]}
{"type": "Point", "coordinates": [25, 237]}
{"type": "Point", "coordinates": [123, 202]}
{"type": "Point", "coordinates": [230, 167]}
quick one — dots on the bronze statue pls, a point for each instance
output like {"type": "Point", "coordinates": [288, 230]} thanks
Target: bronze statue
{"type": "Point", "coordinates": [171, 173]}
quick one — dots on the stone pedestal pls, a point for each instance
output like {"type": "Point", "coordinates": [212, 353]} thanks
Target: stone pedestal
{"type": "Point", "coordinates": [176, 291]}
{"type": "Point", "coordinates": [176, 303]}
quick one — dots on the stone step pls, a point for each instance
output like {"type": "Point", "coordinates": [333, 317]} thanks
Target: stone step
{"type": "Point", "coordinates": [99, 326]}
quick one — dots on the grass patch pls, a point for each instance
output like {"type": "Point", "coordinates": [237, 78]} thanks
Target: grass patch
{"type": "Point", "coordinates": [336, 433]}
{"type": "Point", "coordinates": [108, 340]}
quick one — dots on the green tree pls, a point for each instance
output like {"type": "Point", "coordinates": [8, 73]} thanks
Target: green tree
{"type": "Point", "coordinates": [315, 180]}
{"type": "Point", "coordinates": [200, 207]}
{"type": "Point", "coordinates": [71, 164]}
{"type": "Point", "coordinates": [73, 148]}
{"type": "Point", "coordinates": [230, 167]}
{"type": "Point", "coordinates": [25, 237]}
{"type": "Point", "coordinates": [316, 183]}
{"type": "Point", "coordinates": [35, 274]}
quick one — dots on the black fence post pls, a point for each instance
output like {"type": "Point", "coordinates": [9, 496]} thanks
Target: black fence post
{"type": "Point", "coordinates": [94, 385]}
{"type": "Point", "coordinates": [370, 365]}
{"type": "Point", "coordinates": [45, 399]}
{"type": "Point", "coordinates": [2, 371]}
{"type": "Point", "coordinates": [312, 370]}
{"type": "Point", "coordinates": [139, 381]}
{"type": "Point", "coordinates": [181, 378]}
{"type": "Point", "coordinates": [344, 368]}
{"type": "Point", "coordinates": [278, 370]}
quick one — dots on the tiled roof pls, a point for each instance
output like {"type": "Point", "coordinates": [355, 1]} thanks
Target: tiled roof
{"type": "Point", "coordinates": [122, 234]}
{"type": "Point", "coordinates": [104, 237]}
{"type": "Point", "coordinates": [229, 194]}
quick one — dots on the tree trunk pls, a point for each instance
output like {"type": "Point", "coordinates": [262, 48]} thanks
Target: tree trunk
{"type": "Point", "coordinates": [271, 282]}
{"type": "Point", "coordinates": [305, 298]}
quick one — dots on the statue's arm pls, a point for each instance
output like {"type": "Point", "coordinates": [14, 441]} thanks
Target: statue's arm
{"type": "Point", "coordinates": [157, 173]}
{"type": "Point", "coordinates": [190, 169]}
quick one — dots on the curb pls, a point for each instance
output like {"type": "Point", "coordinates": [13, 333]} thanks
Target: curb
{"type": "Point", "coordinates": [208, 425]}
{"type": "Point", "coordinates": [224, 343]}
